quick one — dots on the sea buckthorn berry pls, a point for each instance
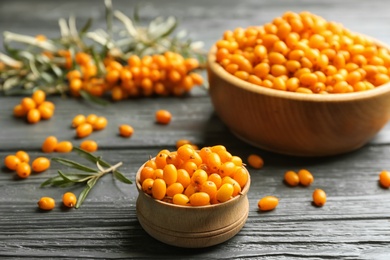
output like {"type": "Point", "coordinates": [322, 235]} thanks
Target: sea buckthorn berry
{"type": "Point", "coordinates": [170, 174]}
{"type": "Point", "coordinates": [64, 147]}
{"type": "Point", "coordinates": [84, 130]}
{"type": "Point", "coordinates": [161, 160]}
{"type": "Point", "coordinates": [180, 199]}
{"type": "Point", "coordinates": [163, 117]}
{"type": "Point", "coordinates": [236, 185]}
{"type": "Point", "coordinates": [78, 120]}
{"type": "Point", "coordinates": [38, 96]}
{"type": "Point", "coordinates": [69, 199]}
{"type": "Point", "coordinates": [185, 152]}
{"type": "Point", "coordinates": [291, 178]}
{"type": "Point", "coordinates": [19, 111]}
{"type": "Point", "coordinates": [40, 164]}
{"type": "Point", "coordinates": [319, 197]}
{"type": "Point", "coordinates": [46, 203]}
{"type": "Point", "coordinates": [174, 159]}
{"type": "Point", "coordinates": [45, 112]}
{"type": "Point", "coordinates": [147, 186]}
{"type": "Point", "coordinates": [236, 160]}
{"type": "Point", "coordinates": [190, 167]}
{"type": "Point", "coordinates": [210, 188]}
{"type": "Point", "coordinates": [183, 177]}
{"type": "Point", "coordinates": [159, 189]}
{"type": "Point", "coordinates": [305, 177]}
{"type": "Point", "coordinates": [126, 130]}
{"type": "Point", "coordinates": [241, 176]}
{"type": "Point", "coordinates": [199, 177]}
{"type": "Point", "coordinates": [384, 179]}
{"type": "Point", "coordinates": [91, 119]}
{"type": "Point", "coordinates": [225, 192]}
{"type": "Point", "coordinates": [158, 174]}
{"type": "Point", "coordinates": [174, 188]}
{"type": "Point", "coordinates": [49, 144]}
{"type": "Point", "coordinates": [199, 199]}
{"type": "Point", "coordinates": [216, 178]}
{"type": "Point", "coordinates": [191, 189]}
{"type": "Point", "coordinates": [12, 162]}
{"type": "Point", "coordinates": [23, 156]}
{"type": "Point", "coordinates": [146, 173]}
{"type": "Point", "coordinates": [213, 162]}
{"type": "Point", "coordinates": [33, 116]}
{"type": "Point", "coordinates": [89, 146]}
{"type": "Point", "coordinates": [268, 203]}
{"type": "Point", "coordinates": [255, 161]}
{"type": "Point", "coordinates": [28, 103]}
{"type": "Point", "coordinates": [227, 169]}
{"type": "Point", "coordinates": [100, 123]}
{"type": "Point", "coordinates": [23, 170]}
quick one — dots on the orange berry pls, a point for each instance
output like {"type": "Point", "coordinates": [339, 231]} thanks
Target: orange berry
{"type": "Point", "coordinates": [39, 97]}
{"type": "Point", "coordinates": [63, 147]}
{"type": "Point", "coordinates": [100, 123]}
{"type": "Point", "coordinates": [319, 197]}
{"type": "Point", "coordinates": [69, 199]}
{"type": "Point", "coordinates": [45, 112]}
{"type": "Point", "coordinates": [33, 116]}
{"type": "Point", "coordinates": [19, 111]}
{"type": "Point", "coordinates": [84, 130]}
{"type": "Point", "coordinates": [46, 203]}
{"type": "Point", "coordinates": [163, 117]}
{"type": "Point", "coordinates": [23, 170]}
{"type": "Point", "coordinates": [255, 161]}
{"type": "Point", "coordinates": [126, 130]}
{"type": "Point", "coordinates": [78, 120]}
{"type": "Point", "coordinates": [291, 178]}
{"type": "Point", "coordinates": [89, 146]}
{"type": "Point", "coordinates": [28, 104]}
{"type": "Point", "coordinates": [23, 156]}
{"type": "Point", "coordinates": [268, 203]}
{"type": "Point", "coordinates": [49, 144]}
{"type": "Point", "coordinates": [11, 162]}
{"type": "Point", "coordinates": [305, 177]}
{"type": "Point", "coordinates": [40, 164]}
{"type": "Point", "coordinates": [384, 179]}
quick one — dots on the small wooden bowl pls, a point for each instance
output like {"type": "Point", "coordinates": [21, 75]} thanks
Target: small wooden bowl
{"type": "Point", "coordinates": [189, 226]}
{"type": "Point", "coordinates": [296, 123]}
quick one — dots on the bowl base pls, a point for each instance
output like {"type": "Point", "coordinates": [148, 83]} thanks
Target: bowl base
{"type": "Point", "coordinates": [194, 239]}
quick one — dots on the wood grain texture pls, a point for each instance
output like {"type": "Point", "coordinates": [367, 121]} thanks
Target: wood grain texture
{"type": "Point", "coordinates": [354, 224]}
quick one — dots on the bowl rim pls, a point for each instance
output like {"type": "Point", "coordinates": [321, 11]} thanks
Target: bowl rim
{"type": "Point", "coordinates": [342, 97]}
{"type": "Point", "coordinates": [243, 193]}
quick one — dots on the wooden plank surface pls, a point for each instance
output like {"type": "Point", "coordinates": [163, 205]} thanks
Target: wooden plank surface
{"type": "Point", "coordinates": [354, 224]}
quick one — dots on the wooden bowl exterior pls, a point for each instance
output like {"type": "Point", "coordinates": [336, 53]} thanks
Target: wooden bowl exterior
{"type": "Point", "coordinates": [189, 226]}
{"type": "Point", "coordinates": [295, 123]}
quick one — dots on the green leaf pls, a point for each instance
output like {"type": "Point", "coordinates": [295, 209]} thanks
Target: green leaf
{"type": "Point", "coordinates": [86, 155]}
{"type": "Point", "coordinates": [50, 181]}
{"type": "Point", "coordinates": [73, 164]}
{"type": "Point", "coordinates": [75, 178]}
{"type": "Point", "coordinates": [86, 27]}
{"type": "Point", "coordinates": [83, 195]}
{"type": "Point", "coordinates": [119, 176]}
{"type": "Point", "coordinates": [93, 99]}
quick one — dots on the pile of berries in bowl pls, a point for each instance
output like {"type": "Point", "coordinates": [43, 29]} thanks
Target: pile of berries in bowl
{"type": "Point", "coordinates": [301, 85]}
{"type": "Point", "coordinates": [193, 198]}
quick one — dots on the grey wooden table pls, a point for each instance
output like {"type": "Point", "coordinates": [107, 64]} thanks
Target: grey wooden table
{"type": "Point", "coordinates": [354, 224]}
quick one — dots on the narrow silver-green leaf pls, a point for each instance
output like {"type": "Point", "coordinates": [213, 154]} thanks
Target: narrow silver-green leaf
{"type": "Point", "coordinates": [120, 177]}
{"type": "Point", "coordinates": [73, 164]}
{"type": "Point", "coordinates": [83, 195]}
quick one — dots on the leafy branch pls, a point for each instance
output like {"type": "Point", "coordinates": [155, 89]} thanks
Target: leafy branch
{"type": "Point", "coordinates": [40, 62]}
{"type": "Point", "coordinates": [88, 176]}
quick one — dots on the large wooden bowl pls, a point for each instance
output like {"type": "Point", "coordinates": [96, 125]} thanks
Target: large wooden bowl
{"type": "Point", "coordinates": [189, 226]}
{"type": "Point", "coordinates": [296, 123]}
